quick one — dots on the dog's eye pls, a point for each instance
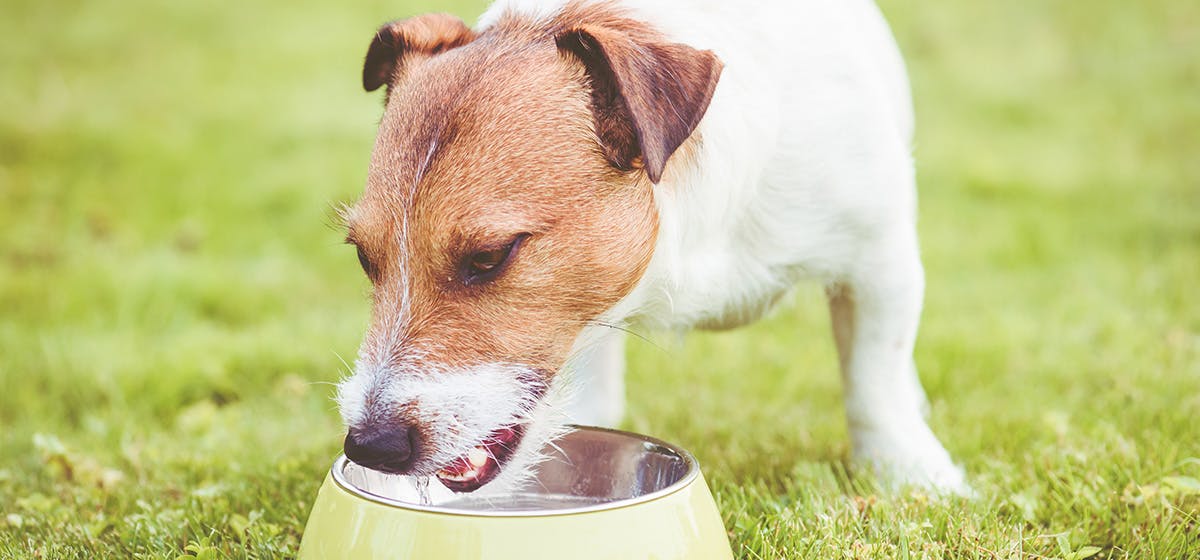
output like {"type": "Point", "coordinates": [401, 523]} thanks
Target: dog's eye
{"type": "Point", "coordinates": [484, 261]}
{"type": "Point", "coordinates": [366, 263]}
{"type": "Point", "coordinates": [485, 265]}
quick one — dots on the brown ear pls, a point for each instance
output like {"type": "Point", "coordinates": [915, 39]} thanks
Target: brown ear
{"type": "Point", "coordinates": [647, 97]}
{"type": "Point", "coordinates": [428, 34]}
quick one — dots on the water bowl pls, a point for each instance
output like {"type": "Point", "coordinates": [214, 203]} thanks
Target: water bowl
{"type": "Point", "coordinates": [602, 494]}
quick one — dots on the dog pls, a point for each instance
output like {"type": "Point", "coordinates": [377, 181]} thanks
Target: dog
{"type": "Point", "coordinates": [569, 168]}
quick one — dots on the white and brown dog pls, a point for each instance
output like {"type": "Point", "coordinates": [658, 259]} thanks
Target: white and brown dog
{"type": "Point", "coordinates": [569, 166]}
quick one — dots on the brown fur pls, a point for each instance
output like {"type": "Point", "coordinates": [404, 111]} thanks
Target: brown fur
{"type": "Point", "coordinates": [640, 110]}
{"type": "Point", "coordinates": [421, 36]}
{"type": "Point", "coordinates": [535, 128]}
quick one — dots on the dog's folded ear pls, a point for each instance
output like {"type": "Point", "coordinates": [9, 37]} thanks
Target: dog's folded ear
{"type": "Point", "coordinates": [647, 96]}
{"type": "Point", "coordinates": [427, 35]}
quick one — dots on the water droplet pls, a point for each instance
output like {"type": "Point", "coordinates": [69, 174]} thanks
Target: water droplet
{"type": "Point", "coordinates": [422, 485]}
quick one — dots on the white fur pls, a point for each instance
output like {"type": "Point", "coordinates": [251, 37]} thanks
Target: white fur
{"type": "Point", "coordinates": [544, 423]}
{"type": "Point", "coordinates": [457, 408]}
{"type": "Point", "coordinates": [803, 170]}
{"type": "Point", "coordinates": [594, 379]}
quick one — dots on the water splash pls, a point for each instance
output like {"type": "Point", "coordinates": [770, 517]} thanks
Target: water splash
{"type": "Point", "coordinates": [422, 485]}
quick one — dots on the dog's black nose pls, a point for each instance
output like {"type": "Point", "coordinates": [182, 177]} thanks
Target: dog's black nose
{"type": "Point", "coordinates": [389, 449]}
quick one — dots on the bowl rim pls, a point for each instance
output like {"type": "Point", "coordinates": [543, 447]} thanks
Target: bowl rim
{"type": "Point", "coordinates": [693, 471]}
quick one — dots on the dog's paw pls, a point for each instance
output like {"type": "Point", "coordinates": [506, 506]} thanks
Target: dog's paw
{"type": "Point", "coordinates": [910, 458]}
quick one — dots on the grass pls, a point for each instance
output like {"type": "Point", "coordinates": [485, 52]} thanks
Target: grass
{"type": "Point", "coordinates": [173, 304]}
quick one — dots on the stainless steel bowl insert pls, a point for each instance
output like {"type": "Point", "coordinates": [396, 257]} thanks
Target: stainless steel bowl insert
{"type": "Point", "coordinates": [589, 469]}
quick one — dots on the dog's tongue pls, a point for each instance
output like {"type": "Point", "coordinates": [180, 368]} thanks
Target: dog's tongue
{"type": "Point", "coordinates": [480, 465]}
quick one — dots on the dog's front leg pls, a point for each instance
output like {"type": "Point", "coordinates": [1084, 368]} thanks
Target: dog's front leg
{"type": "Point", "coordinates": [875, 311]}
{"type": "Point", "coordinates": [597, 379]}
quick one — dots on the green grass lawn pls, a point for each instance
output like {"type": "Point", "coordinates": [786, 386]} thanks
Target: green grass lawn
{"type": "Point", "coordinates": [174, 302]}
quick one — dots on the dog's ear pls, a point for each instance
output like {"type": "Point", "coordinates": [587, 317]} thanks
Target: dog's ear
{"type": "Point", "coordinates": [427, 35]}
{"type": "Point", "coordinates": [647, 97]}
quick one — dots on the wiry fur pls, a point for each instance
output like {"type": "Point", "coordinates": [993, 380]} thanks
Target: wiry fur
{"type": "Point", "coordinates": [545, 422]}
{"type": "Point", "coordinates": [457, 407]}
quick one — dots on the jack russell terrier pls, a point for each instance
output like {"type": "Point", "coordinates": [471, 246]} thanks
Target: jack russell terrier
{"type": "Point", "coordinates": [572, 166]}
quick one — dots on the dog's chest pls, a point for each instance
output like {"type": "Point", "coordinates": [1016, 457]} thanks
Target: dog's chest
{"type": "Point", "coordinates": [708, 289]}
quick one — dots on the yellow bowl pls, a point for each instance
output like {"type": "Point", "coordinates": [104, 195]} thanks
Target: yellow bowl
{"type": "Point", "coordinates": [602, 494]}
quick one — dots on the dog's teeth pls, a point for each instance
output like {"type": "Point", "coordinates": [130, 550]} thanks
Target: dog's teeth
{"type": "Point", "coordinates": [469, 475]}
{"type": "Point", "coordinates": [478, 456]}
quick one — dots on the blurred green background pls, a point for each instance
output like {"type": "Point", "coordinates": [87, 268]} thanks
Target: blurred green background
{"type": "Point", "coordinates": [175, 301]}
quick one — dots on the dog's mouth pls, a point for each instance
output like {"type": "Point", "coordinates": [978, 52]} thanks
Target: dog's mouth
{"type": "Point", "coordinates": [483, 462]}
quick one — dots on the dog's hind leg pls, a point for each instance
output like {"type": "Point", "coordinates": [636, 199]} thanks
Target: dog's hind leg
{"type": "Point", "coordinates": [597, 383]}
{"type": "Point", "coordinates": [875, 309]}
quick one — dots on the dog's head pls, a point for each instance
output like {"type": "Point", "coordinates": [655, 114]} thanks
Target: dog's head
{"type": "Point", "coordinates": [508, 203]}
